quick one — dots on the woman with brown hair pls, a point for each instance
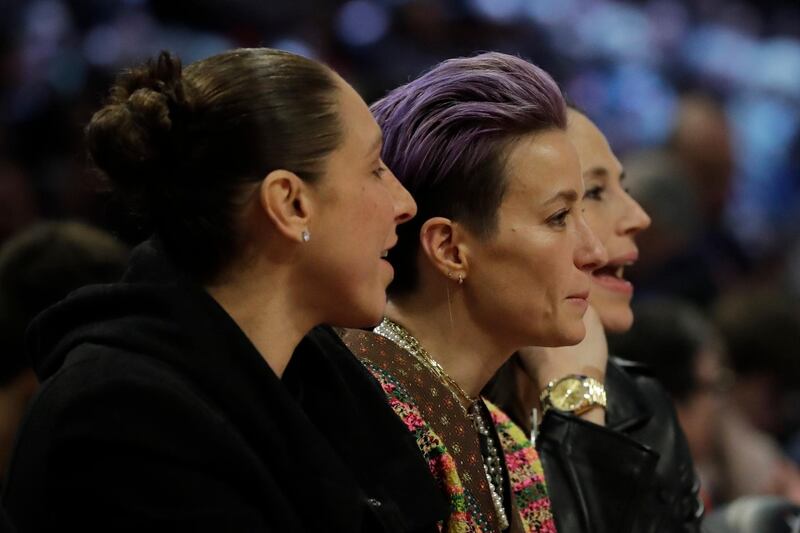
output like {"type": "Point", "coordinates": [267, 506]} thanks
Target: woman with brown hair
{"type": "Point", "coordinates": [638, 411]}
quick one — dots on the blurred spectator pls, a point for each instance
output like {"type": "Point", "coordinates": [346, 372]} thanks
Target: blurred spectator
{"type": "Point", "coordinates": [761, 328]}
{"type": "Point", "coordinates": [670, 263]}
{"type": "Point", "coordinates": [39, 267]}
{"type": "Point", "coordinates": [685, 352]}
{"type": "Point", "coordinates": [755, 514]}
{"type": "Point", "coordinates": [18, 203]}
{"type": "Point", "coordinates": [689, 250]}
{"type": "Point", "coordinates": [702, 142]}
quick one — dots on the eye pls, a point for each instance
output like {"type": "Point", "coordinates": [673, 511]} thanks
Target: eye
{"type": "Point", "coordinates": [559, 220]}
{"type": "Point", "coordinates": [378, 172]}
{"type": "Point", "coordinates": [594, 193]}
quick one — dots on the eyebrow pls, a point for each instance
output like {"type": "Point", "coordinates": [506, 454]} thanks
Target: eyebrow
{"type": "Point", "coordinates": [569, 195]}
{"type": "Point", "coordinates": [376, 144]}
{"type": "Point", "coordinates": [601, 172]}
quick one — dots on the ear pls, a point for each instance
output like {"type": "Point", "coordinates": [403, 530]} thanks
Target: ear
{"type": "Point", "coordinates": [286, 200]}
{"type": "Point", "coordinates": [442, 241]}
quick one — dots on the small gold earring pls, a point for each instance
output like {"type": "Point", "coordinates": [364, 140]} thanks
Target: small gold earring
{"type": "Point", "coordinates": [459, 278]}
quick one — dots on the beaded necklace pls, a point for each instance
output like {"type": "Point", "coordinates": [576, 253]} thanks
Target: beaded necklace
{"type": "Point", "coordinates": [491, 459]}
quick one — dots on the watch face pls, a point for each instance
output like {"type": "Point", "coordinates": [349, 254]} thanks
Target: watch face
{"type": "Point", "coordinates": [568, 394]}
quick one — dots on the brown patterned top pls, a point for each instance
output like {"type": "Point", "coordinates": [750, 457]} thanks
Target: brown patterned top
{"type": "Point", "coordinates": [445, 417]}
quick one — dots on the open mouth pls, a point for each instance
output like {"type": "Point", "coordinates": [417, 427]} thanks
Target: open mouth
{"type": "Point", "coordinates": [391, 244]}
{"type": "Point", "coordinates": [612, 271]}
{"type": "Point", "coordinates": [612, 277]}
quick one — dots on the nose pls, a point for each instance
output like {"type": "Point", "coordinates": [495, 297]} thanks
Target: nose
{"type": "Point", "coordinates": [635, 218]}
{"type": "Point", "coordinates": [404, 205]}
{"type": "Point", "coordinates": [590, 254]}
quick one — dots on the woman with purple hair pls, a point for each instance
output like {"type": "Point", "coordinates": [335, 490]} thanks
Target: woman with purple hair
{"type": "Point", "coordinates": [497, 259]}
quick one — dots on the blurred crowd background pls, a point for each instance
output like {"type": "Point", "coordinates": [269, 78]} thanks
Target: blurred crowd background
{"type": "Point", "coordinates": [700, 99]}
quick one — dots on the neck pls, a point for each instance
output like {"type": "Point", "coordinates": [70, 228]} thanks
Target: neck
{"type": "Point", "coordinates": [469, 354]}
{"type": "Point", "coordinates": [267, 309]}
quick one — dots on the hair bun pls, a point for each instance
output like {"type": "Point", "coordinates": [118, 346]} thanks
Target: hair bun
{"type": "Point", "coordinates": [131, 139]}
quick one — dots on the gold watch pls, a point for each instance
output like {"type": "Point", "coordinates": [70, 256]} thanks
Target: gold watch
{"type": "Point", "coordinates": [575, 394]}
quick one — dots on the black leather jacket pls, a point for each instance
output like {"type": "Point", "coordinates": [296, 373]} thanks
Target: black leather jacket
{"type": "Point", "coordinates": [633, 475]}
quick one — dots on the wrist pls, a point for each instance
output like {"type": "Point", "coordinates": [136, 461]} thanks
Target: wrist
{"type": "Point", "coordinates": [576, 394]}
{"type": "Point", "coordinates": [595, 415]}
{"type": "Point", "coordinates": [544, 378]}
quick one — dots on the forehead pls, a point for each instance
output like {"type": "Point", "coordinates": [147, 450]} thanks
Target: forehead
{"type": "Point", "coordinates": [542, 164]}
{"type": "Point", "coordinates": [590, 143]}
{"type": "Point", "coordinates": [358, 125]}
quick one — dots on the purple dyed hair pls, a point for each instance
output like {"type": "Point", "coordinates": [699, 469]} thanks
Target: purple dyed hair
{"type": "Point", "coordinates": [446, 136]}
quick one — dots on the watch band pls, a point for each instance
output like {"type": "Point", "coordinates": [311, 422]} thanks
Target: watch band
{"type": "Point", "coordinates": [574, 393]}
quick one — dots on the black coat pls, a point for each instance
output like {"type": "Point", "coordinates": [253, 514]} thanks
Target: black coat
{"type": "Point", "coordinates": [157, 414]}
{"type": "Point", "coordinates": [641, 409]}
{"type": "Point", "coordinates": [635, 475]}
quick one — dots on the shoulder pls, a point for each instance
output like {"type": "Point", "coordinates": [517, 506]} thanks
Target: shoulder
{"type": "Point", "coordinates": [369, 345]}
{"type": "Point", "coordinates": [631, 381]}
{"type": "Point", "coordinates": [93, 371]}
{"type": "Point", "coordinates": [632, 368]}
{"type": "Point", "coordinates": [401, 401]}
{"type": "Point", "coordinates": [119, 420]}
{"type": "Point", "coordinates": [383, 357]}
{"type": "Point", "coordinates": [406, 408]}
{"type": "Point", "coordinates": [111, 434]}
{"type": "Point", "coordinates": [103, 395]}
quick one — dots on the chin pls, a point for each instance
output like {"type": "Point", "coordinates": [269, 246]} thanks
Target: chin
{"type": "Point", "coordinates": [372, 315]}
{"type": "Point", "coordinates": [565, 336]}
{"type": "Point", "coordinates": [616, 320]}
{"type": "Point", "coordinates": [373, 320]}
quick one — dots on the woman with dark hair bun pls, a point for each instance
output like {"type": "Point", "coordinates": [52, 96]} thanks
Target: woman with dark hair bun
{"type": "Point", "coordinates": [166, 401]}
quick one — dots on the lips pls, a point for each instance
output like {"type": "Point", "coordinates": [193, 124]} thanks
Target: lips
{"type": "Point", "coordinates": [580, 300]}
{"type": "Point", "coordinates": [612, 275]}
{"type": "Point", "coordinates": [385, 251]}
{"type": "Point", "coordinates": [583, 295]}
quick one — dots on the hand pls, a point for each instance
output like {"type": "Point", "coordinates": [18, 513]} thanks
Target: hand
{"type": "Point", "coordinates": [589, 357]}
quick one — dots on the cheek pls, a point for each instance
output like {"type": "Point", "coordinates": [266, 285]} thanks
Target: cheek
{"type": "Point", "coordinates": [375, 214]}
{"type": "Point", "coordinates": [349, 247]}
{"type": "Point", "coordinates": [512, 256]}
{"type": "Point", "coordinates": [362, 222]}
{"type": "Point", "coordinates": [519, 277]}
{"type": "Point", "coordinates": [547, 263]}
{"type": "Point", "coordinates": [352, 275]}
{"type": "Point", "coordinates": [599, 221]}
